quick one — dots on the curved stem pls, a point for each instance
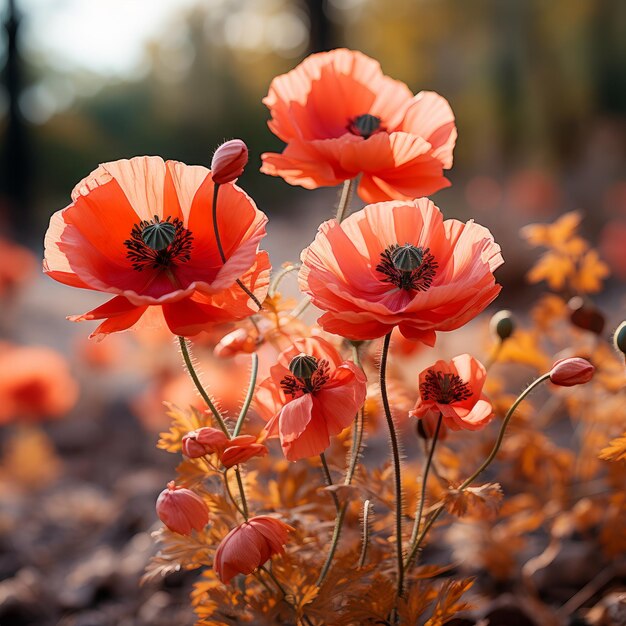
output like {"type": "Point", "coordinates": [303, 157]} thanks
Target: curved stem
{"type": "Point", "coordinates": [301, 307]}
{"type": "Point", "coordinates": [242, 493]}
{"type": "Point", "coordinates": [357, 432]}
{"type": "Point", "coordinates": [292, 267]}
{"type": "Point", "coordinates": [495, 353]}
{"type": "Point", "coordinates": [184, 348]}
{"type": "Point", "coordinates": [329, 481]}
{"type": "Point", "coordinates": [395, 453]}
{"type": "Point", "coordinates": [249, 395]}
{"type": "Point", "coordinates": [347, 191]}
{"type": "Point", "coordinates": [341, 513]}
{"type": "Point", "coordinates": [232, 497]}
{"type": "Point", "coordinates": [218, 241]}
{"type": "Point", "coordinates": [420, 509]}
{"type": "Point", "coordinates": [492, 455]}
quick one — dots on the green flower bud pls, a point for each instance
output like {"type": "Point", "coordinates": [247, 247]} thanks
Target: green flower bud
{"type": "Point", "coordinates": [303, 366]}
{"type": "Point", "coordinates": [502, 324]}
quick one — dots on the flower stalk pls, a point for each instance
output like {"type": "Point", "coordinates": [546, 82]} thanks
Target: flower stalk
{"type": "Point", "coordinates": [492, 455]}
{"type": "Point", "coordinates": [395, 454]}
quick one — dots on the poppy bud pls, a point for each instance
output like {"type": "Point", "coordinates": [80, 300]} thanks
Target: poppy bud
{"type": "Point", "coordinates": [407, 258]}
{"type": "Point", "coordinates": [181, 510]}
{"type": "Point", "coordinates": [502, 324]}
{"type": "Point", "coordinates": [248, 546]}
{"type": "Point", "coordinates": [619, 338]}
{"type": "Point", "coordinates": [303, 366]}
{"type": "Point", "coordinates": [203, 441]}
{"type": "Point", "coordinates": [240, 449]}
{"type": "Point", "coordinates": [228, 161]}
{"type": "Point", "coordinates": [572, 371]}
{"type": "Point", "coordinates": [585, 315]}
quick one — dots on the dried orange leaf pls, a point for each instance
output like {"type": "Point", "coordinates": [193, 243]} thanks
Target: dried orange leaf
{"type": "Point", "coordinates": [615, 451]}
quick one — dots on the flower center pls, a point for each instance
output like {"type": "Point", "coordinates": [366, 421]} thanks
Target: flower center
{"type": "Point", "coordinates": [158, 244]}
{"type": "Point", "coordinates": [408, 267]}
{"type": "Point", "coordinates": [444, 388]}
{"type": "Point", "coordinates": [313, 377]}
{"type": "Point", "coordinates": [364, 125]}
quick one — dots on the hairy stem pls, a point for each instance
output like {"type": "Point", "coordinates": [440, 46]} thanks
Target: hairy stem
{"type": "Point", "coordinates": [249, 395]}
{"type": "Point", "coordinates": [366, 533]}
{"type": "Point", "coordinates": [492, 455]}
{"type": "Point", "coordinates": [184, 349]}
{"type": "Point", "coordinates": [347, 191]}
{"type": "Point", "coordinates": [420, 508]}
{"type": "Point", "coordinates": [395, 454]}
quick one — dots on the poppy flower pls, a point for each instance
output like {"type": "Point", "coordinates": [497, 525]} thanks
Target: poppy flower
{"type": "Point", "coordinates": [141, 229]}
{"type": "Point", "coordinates": [35, 383]}
{"type": "Point", "coordinates": [241, 449]}
{"type": "Point", "coordinates": [453, 389]}
{"type": "Point", "coordinates": [340, 116]}
{"type": "Point", "coordinates": [181, 510]}
{"type": "Point", "coordinates": [249, 546]}
{"type": "Point", "coordinates": [310, 395]}
{"type": "Point", "coordinates": [399, 264]}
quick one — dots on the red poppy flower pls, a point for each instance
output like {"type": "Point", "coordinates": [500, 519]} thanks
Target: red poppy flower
{"type": "Point", "coordinates": [399, 264]}
{"type": "Point", "coordinates": [453, 389]}
{"type": "Point", "coordinates": [311, 395]}
{"type": "Point", "coordinates": [340, 116]}
{"type": "Point", "coordinates": [141, 229]}
{"type": "Point", "coordinates": [248, 546]}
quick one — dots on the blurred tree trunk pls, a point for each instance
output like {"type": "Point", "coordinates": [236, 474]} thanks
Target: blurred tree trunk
{"type": "Point", "coordinates": [14, 195]}
{"type": "Point", "coordinates": [321, 32]}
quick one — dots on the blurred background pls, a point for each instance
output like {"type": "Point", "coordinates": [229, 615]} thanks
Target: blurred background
{"type": "Point", "coordinates": [539, 93]}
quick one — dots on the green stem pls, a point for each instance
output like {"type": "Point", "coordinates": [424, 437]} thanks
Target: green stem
{"type": "Point", "coordinates": [242, 493]}
{"type": "Point", "coordinates": [270, 574]}
{"type": "Point", "coordinates": [184, 348]}
{"type": "Point", "coordinates": [482, 468]}
{"type": "Point", "coordinates": [232, 497]}
{"type": "Point", "coordinates": [218, 241]}
{"type": "Point", "coordinates": [249, 395]}
{"type": "Point", "coordinates": [420, 509]}
{"type": "Point", "coordinates": [347, 191]}
{"type": "Point", "coordinates": [301, 307]}
{"type": "Point", "coordinates": [292, 267]}
{"type": "Point", "coordinates": [366, 533]}
{"type": "Point", "coordinates": [357, 432]}
{"type": "Point", "coordinates": [395, 453]}
{"type": "Point", "coordinates": [341, 513]}
{"type": "Point", "coordinates": [329, 481]}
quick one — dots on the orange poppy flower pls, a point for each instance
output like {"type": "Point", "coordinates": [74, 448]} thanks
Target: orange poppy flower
{"type": "Point", "coordinates": [249, 546]}
{"type": "Point", "coordinates": [454, 389]}
{"type": "Point", "coordinates": [35, 383]}
{"type": "Point", "coordinates": [399, 264]}
{"type": "Point", "coordinates": [311, 395]}
{"type": "Point", "coordinates": [340, 116]}
{"type": "Point", "coordinates": [141, 229]}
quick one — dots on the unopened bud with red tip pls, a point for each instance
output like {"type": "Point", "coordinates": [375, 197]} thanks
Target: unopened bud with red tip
{"type": "Point", "coordinates": [502, 324]}
{"type": "Point", "coordinates": [229, 161]}
{"type": "Point", "coordinates": [202, 441]}
{"type": "Point", "coordinates": [572, 371]}
{"type": "Point", "coordinates": [181, 510]}
{"type": "Point", "coordinates": [619, 338]}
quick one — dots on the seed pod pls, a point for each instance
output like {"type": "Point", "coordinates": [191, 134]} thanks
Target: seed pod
{"type": "Point", "coordinates": [502, 324]}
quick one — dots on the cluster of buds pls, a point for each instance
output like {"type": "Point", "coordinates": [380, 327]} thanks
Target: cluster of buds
{"type": "Point", "coordinates": [207, 440]}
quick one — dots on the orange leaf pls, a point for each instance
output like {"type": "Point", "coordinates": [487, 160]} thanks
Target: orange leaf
{"type": "Point", "coordinates": [615, 451]}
